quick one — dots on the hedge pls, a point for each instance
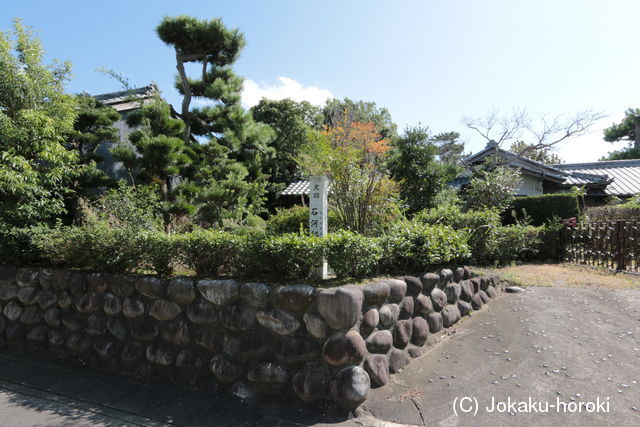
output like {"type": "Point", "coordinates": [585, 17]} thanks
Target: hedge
{"type": "Point", "coordinates": [629, 212]}
{"type": "Point", "coordinates": [213, 252]}
{"type": "Point", "coordinates": [543, 209]}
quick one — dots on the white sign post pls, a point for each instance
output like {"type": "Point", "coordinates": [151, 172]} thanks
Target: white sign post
{"type": "Point", "coordinates": [318, 218]}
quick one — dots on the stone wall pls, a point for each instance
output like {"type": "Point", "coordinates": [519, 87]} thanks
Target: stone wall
{"type": "Point", "coordinates": [315, 343]}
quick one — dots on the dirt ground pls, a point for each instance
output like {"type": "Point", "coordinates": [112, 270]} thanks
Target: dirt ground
{"type": "Point", "coordinates": [565, 275]}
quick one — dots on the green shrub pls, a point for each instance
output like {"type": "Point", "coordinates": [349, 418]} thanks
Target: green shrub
{"type": "Point", "coordinates": [510, 243]}
{"type": "Point", "coordinates": [413, 246]}
{"type": "Point", "coordinates": [453, 216]}
{"type": "Point", "coordinates": [550, 242]}
{"type": "Point", "coordinates": [627, 211]}
{"type": "Point", "coordinates": [209, 252]}
{"type": "Point", "coordinates": [17, 245]}
{"type": "Point", "coordinates": [352, 255]}
{"type": "Point", "coordinates": [158, 251]}
{"type": "Point", "coordinates": [543, 208]}
{"type": "Point", "coordinates": [295, 220]}
{"type": "Point", "coordinates": [286, 256]}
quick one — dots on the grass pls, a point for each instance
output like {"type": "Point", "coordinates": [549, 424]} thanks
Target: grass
{"type": "Point", "coordinates": [563, 275]}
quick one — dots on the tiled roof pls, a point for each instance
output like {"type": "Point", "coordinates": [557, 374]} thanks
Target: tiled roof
{"type": "Point", "coordinates": [624, 173]}
{"type": "Point", "coordinates": [122, 100]}
{"type": "Point", "coordinates": [296, 188]}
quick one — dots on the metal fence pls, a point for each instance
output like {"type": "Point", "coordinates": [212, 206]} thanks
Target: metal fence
{"type": "Point", "coordinates": [608, 244]}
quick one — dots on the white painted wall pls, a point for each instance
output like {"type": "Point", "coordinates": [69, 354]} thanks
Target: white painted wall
{"type": "Point", "coordinates": [530, 186]}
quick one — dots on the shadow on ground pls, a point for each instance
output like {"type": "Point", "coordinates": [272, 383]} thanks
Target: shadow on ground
{"type": "Point", "coordinates": [36, 391]}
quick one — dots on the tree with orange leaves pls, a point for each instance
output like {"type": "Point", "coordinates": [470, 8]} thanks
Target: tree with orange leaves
{"type": "Point", "coordinates": [353, 154]}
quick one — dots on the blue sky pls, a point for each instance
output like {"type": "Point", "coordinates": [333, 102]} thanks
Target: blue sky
{"type": "Point", "coordinates": [432, 62]}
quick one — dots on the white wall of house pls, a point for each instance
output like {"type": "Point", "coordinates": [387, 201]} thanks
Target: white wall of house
{"type": "Point", "coordinates": [531, 186]}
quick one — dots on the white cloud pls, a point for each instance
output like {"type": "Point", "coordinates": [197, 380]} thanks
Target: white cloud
{"type": "Point", "coordinates": [253, 92]}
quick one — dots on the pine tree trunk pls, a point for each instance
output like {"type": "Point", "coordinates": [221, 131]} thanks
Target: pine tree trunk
{"type": "Point", "coordinates": [186, 100]}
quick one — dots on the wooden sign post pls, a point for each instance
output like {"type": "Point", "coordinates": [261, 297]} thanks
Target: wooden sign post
{"type": "Point", "coordinates": [318, 217]}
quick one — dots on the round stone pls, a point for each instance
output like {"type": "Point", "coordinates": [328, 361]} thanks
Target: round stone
{"type": "Point", "coordinates": [379, 342]}
{"type": "Point", "coordinates": [450, 315]}
{"type": "Point", "coordinates": [209, 338]}
{"type": "Point", "coordinates": [398, 359]}
{"type": "Point", "coordinates": [414, 285]}
{"type": "Point", "coordinates": [105, 348]}
{"type": "Point", "coordinates": [160, 355]}
{"type": "Point", "coordinates": [491, 291]}
{"type": "Point", "coordinates": [406, 308]}
{"type": "Point", "coordinates": [28, 296]}
{"type": "Point", "coordinates": [176, 332]}
{"type": "Point", "coordinates": [150, 286]}
{"type": "Point", "coordinates": [453, 292]}
{"type": "Point", "coordinates": [278, 321]}
{"type": "Point", "coordinates": [77, 284]}
{"type": "Point", "coordinates": [294, 298]}
{"type": "Point", "coordinates": [249, 346]}
{"type": "Point", "coordinates": [38, 334]}
{"type": "Point", "coordinates": [57, 337]}
{"type": "Point", "coordinates": [420, 331]}
{"type": "Point", "coordinates": [466, 290]}
{"type": "Point", "coordinates": [312, 382]}
{"type": "Point", "coordinates": [122, 285]}
{"type": "Point", "coordinates": [225, 370]}
{"type": "Point", "coordinates": [429, 282]}
{"type": "Point", "coordinates": [293, 350]}
{"type": "Point", "coordinates": [118, 327]}
{"type": "Point", "coordinates": [31, 315]}
{"type": "Point", "coordinates": [52, 316]}
{"type": "Point", "coordinates": [133, 307]}
{"type": "Point", "coordinates": [132, 353]}
{"type": "Point", "coordinates": [89, 303]}
{"type": "Point", "coordinates": [315, 325]}
{"type": "Point", "coordinates": [65, 299]}
{"type": "Point", "coordinates": [237, 317]}
{"type": "Point", "coordinates": [389, 314]}
{"type": "Point", "coordinates": [12, 311]}
{"type": "Point", "coordinates": [446, 276]}
{"type": "Point", "coordinates": [219, 292]}
{"type": "Point", "coordinates": [111, 304]}
{"type": "Point", "coordinates": [397, 290]}
{"type": "Point", "coordinates": [256, 295]}
{"type": "Point", "coordinates": [96, 324]}
{"type": "Point", "coordinates": [163, 310]}
{"type": "Point", "coordinates": [77, 343]}
{"type": "Point", "coordinates": [476, 302]}
{"type": "Point", "coordinates": [181, 290]}
{"type": "Point", "coordinates": [514, 289]}
{"type": "Point", "coordinates": [341, 307]}
{"type": "Point", "coordinates": [422, 306]}
{"type": "Point", "coordinates": [143, 328]}
{"type": "Point", "coordinates": [375, 293]}
{"type": "Point", "coordinates": [467, 272]}
{"type": "Point", "coordinates": [190, 358]}
{"type": "Point", "coordinates": [268, 377]}
{"type": "Point", "coordinates": [26, 277]}
{"type": "Point", "coordinates": [415, 352]}
{"type": "Point", "coordinates": [458, 274]}
{"type": "Point", "coordinates": [475, 282]}
{"type": "Point", "coordinates": [438, 299]}
{"type": "Point", "coordinates": [73, 320]}
{"type": "Point", "coordinates": [402, 333]}
{"type": "Point", "coordinates": [485, 298]}
{"type": "Point", "coordinates": [350, 387]}
{"type": "Point", "coordinates": [202, 313]}
{"type": "Point", "coordinates": [97, 282]}
{"type": "Point", "coordinates": [44, 278]}
{"type": "Point", "coordinates": [369, 321]}
{"type": "Point", "coordinates": [377, 366]}
{"type": "Point", "coordinates": [435, 322]}
{"type": "Point", "coordinates": [344, 349]}
{"type": "Point", "coordinates": [8, 292]}
{"type": "Point", "coordinates": [46, 299]}
{"type": "Point", "coordinates": [465, 308]}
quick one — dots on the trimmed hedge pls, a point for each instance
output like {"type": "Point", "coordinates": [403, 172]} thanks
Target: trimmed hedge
{"type": "Point", "coordinates": [543, 208]}
{"type": "Point", "coordinates": [626, 211]}
{"type": "Point", "coordinates": [211, 252]}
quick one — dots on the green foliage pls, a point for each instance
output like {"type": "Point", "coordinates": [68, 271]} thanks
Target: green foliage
{"type": "Point", "coordinates": [413, 246]}
{"type": "Point", "coordinates": [136, 208]}
{"type": "Point", "coordinates": [339, 112]}
{"type": "Point", "coordinates": [295, 219]}
{"type": "Point", "coordinates": [209, 252]}
{"type": "Point", "coordinates": [544, 208]}
{"type": "Point", "coordinates": [625, 129]}
{"type": "Point", "coordinates": [292, 122]}
{"type": "Point", "coordinates": [413, 165]}
{"type": "Point", "coordinates": [35, 116]}
{"type": "Point", "coordinates": [157, 251]}
{"type": "Point", "coordinates": [628, 153]}
{"type": "Point", "coordinates": [510, 243]}
{"type": "Point", "coordinates": [493, 189]}
{"type": "Point", "coordinates": [626, 211]}
{"type": "Point", "coordinates": [352, 255]}
{"type": "Point", "coordinates": [286, 256]}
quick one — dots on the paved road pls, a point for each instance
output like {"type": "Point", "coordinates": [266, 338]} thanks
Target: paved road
{"type": "Point", "coordinates": [550, 344]}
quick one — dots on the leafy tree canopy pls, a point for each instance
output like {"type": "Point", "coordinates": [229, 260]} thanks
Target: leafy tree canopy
{"type": "Point", "coordinates": [337, 112]}
{"type": "Point", "coordinates": [35, 117]}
